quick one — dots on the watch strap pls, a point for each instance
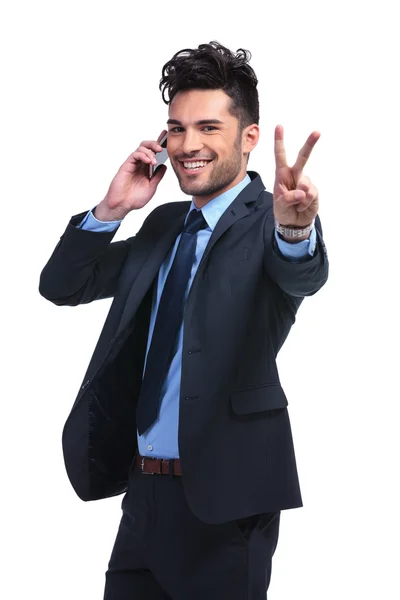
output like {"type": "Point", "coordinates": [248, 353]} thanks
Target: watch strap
{"type": "Point", "coordinates": [292, 231]}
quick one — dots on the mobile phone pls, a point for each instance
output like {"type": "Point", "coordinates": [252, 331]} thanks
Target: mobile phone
{"type": "Point", "coordinates": [161, 157]}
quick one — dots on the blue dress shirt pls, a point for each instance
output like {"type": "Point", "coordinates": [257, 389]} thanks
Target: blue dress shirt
{"type": "Point", "coordinates": [161, 439]}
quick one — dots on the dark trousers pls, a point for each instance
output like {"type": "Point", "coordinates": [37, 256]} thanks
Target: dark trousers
{"type": "Point", "coordinates": [163, 552]}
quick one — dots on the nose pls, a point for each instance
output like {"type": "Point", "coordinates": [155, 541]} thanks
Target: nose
{"type": "Point", "coordinates": [191, 142]}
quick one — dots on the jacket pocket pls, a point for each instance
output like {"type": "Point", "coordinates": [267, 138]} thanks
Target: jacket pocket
{"type": "Point", "coordinates": [266, 397]}
{"type": "Point", "coordinates": [239, 255]}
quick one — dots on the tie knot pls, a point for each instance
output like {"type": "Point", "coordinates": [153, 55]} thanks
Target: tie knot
{"type": "Point", "coordinates": [195, 222]}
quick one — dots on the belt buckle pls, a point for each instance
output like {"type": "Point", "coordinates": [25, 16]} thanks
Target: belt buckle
{"type": "Point", "coordinates": [142, 467]}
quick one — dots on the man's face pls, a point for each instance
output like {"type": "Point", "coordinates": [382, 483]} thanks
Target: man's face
{"type": "Point", "coordinates": [205, 146]}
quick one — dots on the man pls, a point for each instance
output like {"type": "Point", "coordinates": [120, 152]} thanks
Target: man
{"type": "Point", "coordinates": [181, 406]}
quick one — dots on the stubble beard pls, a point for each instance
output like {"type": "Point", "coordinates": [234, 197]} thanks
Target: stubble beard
{"type": "Point", "coordinates": [221, 176]}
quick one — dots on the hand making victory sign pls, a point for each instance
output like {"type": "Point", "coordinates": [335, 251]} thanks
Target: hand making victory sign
{"type": "Point", "coordinates": [295, 197]}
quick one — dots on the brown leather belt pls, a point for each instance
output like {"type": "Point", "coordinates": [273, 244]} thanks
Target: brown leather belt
{"type": "Point", "coordinates": [158, 466]}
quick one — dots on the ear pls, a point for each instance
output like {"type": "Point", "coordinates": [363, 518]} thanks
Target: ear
{"type": "Point", "coordinates": [250, 137]}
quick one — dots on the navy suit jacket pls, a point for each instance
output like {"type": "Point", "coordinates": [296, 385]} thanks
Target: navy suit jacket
{"type": "Point", "coordinates": [239, 311]}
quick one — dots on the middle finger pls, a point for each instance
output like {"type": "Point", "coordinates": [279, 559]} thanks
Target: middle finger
{"type": "Point", "coordinates": [305, 154]}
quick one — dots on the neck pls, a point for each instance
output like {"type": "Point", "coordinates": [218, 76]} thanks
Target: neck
{"type": "Point", "coordinates": [200, 201]}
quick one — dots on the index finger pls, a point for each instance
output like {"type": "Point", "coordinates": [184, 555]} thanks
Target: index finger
{"type": "Point", "coordinates": [279, 148]}
{"type": "Point", "coordinates": [305, 152]}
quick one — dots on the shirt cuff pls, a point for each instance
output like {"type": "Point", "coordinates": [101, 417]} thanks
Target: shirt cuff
{"type": "Point", "coordinates": [90, 223]}
{"type": "Point", "coordinates": [297, 250]}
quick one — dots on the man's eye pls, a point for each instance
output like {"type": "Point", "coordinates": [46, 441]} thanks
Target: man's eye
{"type": "Point", "coordinates": [175, 129]}
{"type": "Point", "coordinates": [209, 127]}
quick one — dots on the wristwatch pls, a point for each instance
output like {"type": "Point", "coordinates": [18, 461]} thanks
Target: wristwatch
{"type": "Point", "coordinates": [291, 231]}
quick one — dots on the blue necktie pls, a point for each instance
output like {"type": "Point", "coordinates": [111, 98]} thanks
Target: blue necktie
{"type": "Point", "coordinates": [168, 320]}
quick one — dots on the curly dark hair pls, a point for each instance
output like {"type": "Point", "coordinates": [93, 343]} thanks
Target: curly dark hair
{"type": "Point", "coordinates": [214, 67]}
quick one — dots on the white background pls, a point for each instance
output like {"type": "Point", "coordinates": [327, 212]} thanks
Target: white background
{"type": "Point", "coordinates": [79, 93]}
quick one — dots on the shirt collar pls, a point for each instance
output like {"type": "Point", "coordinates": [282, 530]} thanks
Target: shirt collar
{"type": "Point", "coordinates": [214, 209]}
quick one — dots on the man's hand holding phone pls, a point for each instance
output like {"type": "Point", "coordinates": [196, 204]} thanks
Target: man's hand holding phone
{"type": "Point", "coordinates": [132, 187]}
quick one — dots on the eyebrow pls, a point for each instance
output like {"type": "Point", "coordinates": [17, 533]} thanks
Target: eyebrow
{"type": "Point", "coordinates": [202, 122]}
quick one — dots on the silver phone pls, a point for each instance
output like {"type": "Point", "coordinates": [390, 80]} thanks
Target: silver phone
{"type": "Point", "coordinates": [161, 157]}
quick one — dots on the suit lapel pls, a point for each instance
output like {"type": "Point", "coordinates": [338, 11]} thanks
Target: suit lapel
{"type": "Point", "coordinates": [237, 210]}
{"type": "Point", "coordinates": [149, 270]}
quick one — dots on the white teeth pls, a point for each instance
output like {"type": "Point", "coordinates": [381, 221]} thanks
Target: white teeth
{"type": "Point", "coordinates": [195, 165]}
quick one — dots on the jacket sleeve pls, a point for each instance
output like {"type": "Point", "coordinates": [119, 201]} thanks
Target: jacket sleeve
{"type": "Point", "coordinates": [84, 266]}
{"type": "Point", "coordinates": [299, 279]}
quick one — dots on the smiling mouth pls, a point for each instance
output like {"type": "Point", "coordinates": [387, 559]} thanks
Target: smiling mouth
{"type": "Point", "coordinates": [194, 166]}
